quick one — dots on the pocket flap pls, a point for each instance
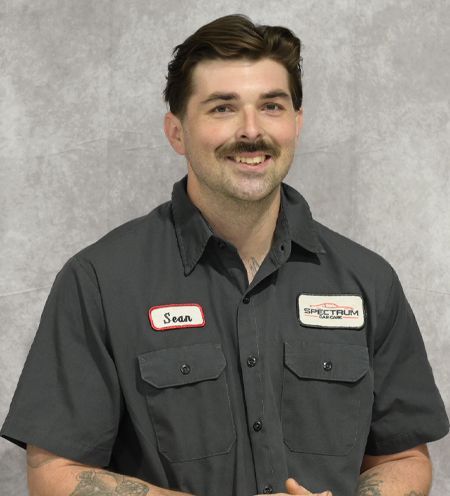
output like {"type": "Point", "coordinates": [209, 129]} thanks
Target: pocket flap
{"type": "Point", "coordinates": [327, 361]}
{"type": "Point", "coordinates": [184, 365]}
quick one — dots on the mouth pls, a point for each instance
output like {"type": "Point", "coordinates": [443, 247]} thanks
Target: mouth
{"type": "Point", "coordinates": [257, 160]}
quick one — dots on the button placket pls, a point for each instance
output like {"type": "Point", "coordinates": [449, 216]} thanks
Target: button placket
{"type": "Point", "coordinates": [254, 383]}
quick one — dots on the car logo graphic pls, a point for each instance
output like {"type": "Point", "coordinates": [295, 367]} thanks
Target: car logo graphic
{"type": "Point", "coordinates": [329, 304]}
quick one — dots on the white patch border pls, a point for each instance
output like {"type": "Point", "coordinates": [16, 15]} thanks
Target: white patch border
{"type": "Point", "coordinates": [332, 326]}
{"type": "Point", "coordinates": [170, 327]}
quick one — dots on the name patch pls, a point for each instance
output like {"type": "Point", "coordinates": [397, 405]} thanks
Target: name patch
{"type": "Point", "coordinates": [176, 316]}
{"type": "Point", "coordinates": [333, 311]}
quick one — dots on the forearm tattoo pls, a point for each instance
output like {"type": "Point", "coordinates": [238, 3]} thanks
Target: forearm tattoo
{"type": "Point", "coordinates": [103, 483]}
{"type": "Point", "coordinates": [369, 485]}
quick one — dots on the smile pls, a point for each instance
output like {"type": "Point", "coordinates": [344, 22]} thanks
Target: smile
{"type": "Point", "coordinates": [259, 159]}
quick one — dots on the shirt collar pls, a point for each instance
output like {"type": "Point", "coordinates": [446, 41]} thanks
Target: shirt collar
{"type": "Point", "coordinates": [193, 232]}
{"type": "Point", "coordinates": [299, 221]}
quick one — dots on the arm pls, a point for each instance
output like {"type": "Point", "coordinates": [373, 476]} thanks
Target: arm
{"type": "Point", "coordinates": [51, 475]}
{"type": "Point", "coordinates": [407, 473]}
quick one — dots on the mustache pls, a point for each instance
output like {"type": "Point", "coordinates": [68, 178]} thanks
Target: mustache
{"type": "Point", "coordinates": [243, 146]}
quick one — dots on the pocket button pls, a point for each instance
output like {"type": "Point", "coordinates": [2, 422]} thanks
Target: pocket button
{"type": "Point", "coordinates": [327, 366]}
{"type": "Point", "coordinates": [185, 369]}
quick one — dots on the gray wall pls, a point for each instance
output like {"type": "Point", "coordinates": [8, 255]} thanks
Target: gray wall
{"type": "Point", "coordinates": [82, 148]}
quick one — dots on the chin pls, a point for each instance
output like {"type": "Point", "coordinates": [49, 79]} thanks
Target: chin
{"type": "Point", "coordinates": [253, 194]}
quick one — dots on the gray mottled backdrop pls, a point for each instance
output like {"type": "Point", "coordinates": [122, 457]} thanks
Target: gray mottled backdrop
{"type": "Point", "coordinates": [82, 148]}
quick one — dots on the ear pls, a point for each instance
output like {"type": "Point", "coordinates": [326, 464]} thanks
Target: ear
{"type": "Point", "coordinates": [173, 129]}
{"type": "Point", "coordinates": [298, 122]}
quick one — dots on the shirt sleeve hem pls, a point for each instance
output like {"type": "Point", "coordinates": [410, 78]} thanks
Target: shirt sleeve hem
{"type": "Point", "coordinates": [88, 455]}
{"type": "Point", "coordinates": [405, 441]}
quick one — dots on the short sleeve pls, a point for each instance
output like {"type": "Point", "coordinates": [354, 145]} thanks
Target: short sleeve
{"type": "Point", "coordinates": [68, 398]}
{"type": "Point", "coordinates": [408, 409]}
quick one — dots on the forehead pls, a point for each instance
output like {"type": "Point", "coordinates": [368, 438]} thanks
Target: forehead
{"type": "Point", "coordinates": [244, 77]}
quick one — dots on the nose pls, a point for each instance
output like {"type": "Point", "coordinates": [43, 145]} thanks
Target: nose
{"type": "Point", "coordinates": [249, 126]}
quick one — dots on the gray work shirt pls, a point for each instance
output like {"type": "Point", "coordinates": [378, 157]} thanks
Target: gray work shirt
{"type": "Point", "coordinates": [155, 358]}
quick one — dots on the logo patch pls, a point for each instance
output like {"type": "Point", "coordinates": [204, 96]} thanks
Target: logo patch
{"type": "Point", "coordinates": [176, 316]}
{"type": "Point", "coordinates": [331, 311]}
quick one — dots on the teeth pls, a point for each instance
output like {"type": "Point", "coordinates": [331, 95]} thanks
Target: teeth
{"type": "Point", "coordinates": [249, 160]}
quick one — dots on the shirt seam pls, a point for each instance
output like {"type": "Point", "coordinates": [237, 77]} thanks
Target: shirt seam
{"type": "Point", "coordinates": [96, 286]}
{"type": "Point", "coordinates": [384, 315]}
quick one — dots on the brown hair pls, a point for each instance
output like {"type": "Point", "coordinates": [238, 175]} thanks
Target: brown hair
{"type": "Point", "coordinates": [232, 37]}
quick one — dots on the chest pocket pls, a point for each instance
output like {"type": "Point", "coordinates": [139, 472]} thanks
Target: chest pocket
{"type": "Point", "coordinates": [188, 398]}
{"type": "Point", "coordinates": [326, 396]}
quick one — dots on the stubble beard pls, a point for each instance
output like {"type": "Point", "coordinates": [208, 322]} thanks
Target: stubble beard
{"type": "Point", "coordinates": [250, 192]}
{"type": "Point", "coordinates": [240, 193]}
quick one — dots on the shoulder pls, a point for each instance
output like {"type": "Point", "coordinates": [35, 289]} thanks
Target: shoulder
{"type": "Point", "coordinates": [129, 242]}
{"type": "Point", "coordinates": [363, 263]}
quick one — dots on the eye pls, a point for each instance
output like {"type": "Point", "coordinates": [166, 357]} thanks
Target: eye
{"type": "Point", "coordinates": [273, 106]}
{"type": "Point", "coordinates": [221, 109]}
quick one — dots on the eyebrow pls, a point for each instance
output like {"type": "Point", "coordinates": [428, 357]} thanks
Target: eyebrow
{"type": "Point", "coordinates": [234, 96]}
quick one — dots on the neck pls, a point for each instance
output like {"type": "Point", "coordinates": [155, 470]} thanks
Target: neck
{"type": "Point", "coordinates": [248, 225]}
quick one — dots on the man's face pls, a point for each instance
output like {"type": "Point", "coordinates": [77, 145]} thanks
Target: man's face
{"type": "Point", "coordinates": [240, 129]}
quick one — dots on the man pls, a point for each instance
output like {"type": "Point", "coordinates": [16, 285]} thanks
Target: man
{"type": "Point", "coordinates": [226, 343]}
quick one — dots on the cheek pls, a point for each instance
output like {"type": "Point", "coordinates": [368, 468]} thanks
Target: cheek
{"type": "Point", "coordinates": [212, 138]}
{"type": "Point", "coordinates": [198, 142]}
{"type": "Point", "coordinates": [283, 133]}
{"type": "Point", "coordinates": [290, 132]}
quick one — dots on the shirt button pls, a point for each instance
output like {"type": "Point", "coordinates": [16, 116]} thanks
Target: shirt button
{"type": "Point", "coordinates": [257, 426]}
{"type": "Point", "coordinates": [185, 369]}
{"type": "Point", "coordinates": [246, 300]}
{"type": "Point", "coordinates": [251, 361]}
{"type": "Point", "coordinates": [268, 489]}
{"type": "Point", "coordinates": [327, 366]}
